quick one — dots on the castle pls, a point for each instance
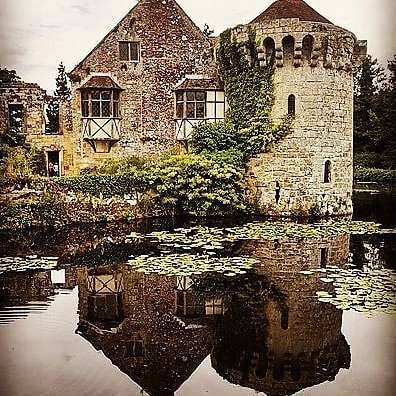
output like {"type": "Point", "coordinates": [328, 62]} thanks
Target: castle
{"type": "Point", "coordinates": [154, 76]}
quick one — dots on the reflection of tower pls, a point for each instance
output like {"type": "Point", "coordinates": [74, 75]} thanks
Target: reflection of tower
{"type": "Point", "coordinates": [293, 348]}
{"type": "Point", "coordinates": [130, 317]}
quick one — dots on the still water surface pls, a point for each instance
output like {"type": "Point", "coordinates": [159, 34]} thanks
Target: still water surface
{"type": "Point", "coordinates": [96, 326]}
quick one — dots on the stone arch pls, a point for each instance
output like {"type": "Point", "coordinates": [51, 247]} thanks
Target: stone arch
{"type": "Point", "coordinates": [269, 48]}
{"type": "Point", "coordinates": [288, 44]}
{"type": "Point", "coordinates": [307, 48]}
{"type": "Point", "coordinates": [327, 171]}
{"type": "Point", "coordinates": [291, 105]}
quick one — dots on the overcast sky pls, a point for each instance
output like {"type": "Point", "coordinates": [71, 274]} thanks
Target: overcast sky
{"type": "Point", "coordinates": [35, 35]}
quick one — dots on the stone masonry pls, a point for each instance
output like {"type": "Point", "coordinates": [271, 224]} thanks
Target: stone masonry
{"type": "Point", "coordinates": [127, 93]}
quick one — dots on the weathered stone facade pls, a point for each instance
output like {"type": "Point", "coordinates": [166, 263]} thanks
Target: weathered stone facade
{"type": "Point", "coordinates": [170, 46]}
{"type": "Point", "coordinates": [145, 85]}
{"type": "Point", "coordinates": [311, 170]}
{"type": "Point", "coordinates": [31, 98]}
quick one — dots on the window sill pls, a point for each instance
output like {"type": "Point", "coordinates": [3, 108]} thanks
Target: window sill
{"type": "Point", "coordinates": [101, 118]}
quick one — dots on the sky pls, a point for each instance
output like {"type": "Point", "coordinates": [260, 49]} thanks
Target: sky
{"type": "Point", "coordinates": [36, 35]}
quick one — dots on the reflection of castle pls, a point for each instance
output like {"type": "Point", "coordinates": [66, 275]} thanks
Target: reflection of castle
{"type": "Point", "coordinates": [267, 332]}
{"type": "Point", "coordinates": [26, 286]}
{"type": "Point", "coordinates": [288, 351]}
{"type": "Point", "coordinates": [129, 316]}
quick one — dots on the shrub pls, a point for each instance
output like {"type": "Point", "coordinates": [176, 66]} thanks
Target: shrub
{"type": "Point", "coordinates": [382, 176]}
{"type": "Point", "coordinates": [199, 185]}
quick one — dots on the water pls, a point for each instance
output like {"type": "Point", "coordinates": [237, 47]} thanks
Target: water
{"type": "Point", "coordinates": [99, 327]}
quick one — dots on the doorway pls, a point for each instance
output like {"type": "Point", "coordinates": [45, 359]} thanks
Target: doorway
{"type": "Point", "coordinates": [53, 164]}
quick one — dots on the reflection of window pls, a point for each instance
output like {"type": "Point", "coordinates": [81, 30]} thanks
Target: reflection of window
{"type": "Point", "coordinates": [100, 103]}
{"type": "Point", "coordinates": [15, 116]}
{"type": "Point", "coordinates": [190, 104]}
{"type": "Point", "coordinates": [129, 51]}
{"type": "Point", "coordinates": [327, 172]}
{"type": "Point", "coordinates": [214, 306]}
{"type": "Point", "coordinates": [323, 257]}
{"type": "Point", "coordinates": [135, 348]}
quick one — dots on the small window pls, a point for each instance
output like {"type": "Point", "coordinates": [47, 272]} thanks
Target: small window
{"type": "Point", "coordinates": [327, 172]}
{"type": "Point", "coordinates": [190, 105]}
{"type": "Point", "coordinates": [323, 257]}
{"type": "Point", "coordinates": [15, 116]}
{"type": "Point", "coordinates": [129, 51]}
{"type": "Point", "coordinates": [291, 106]}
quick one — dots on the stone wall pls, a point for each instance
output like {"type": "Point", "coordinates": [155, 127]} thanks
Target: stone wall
{"type": "Point", "coordinates": [320, 78]}
{"type": "Point", "coordinates": [32, 97]}
{"type": "Point", "coordinates": [171, 46]}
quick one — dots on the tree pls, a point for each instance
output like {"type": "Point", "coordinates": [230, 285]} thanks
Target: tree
{"type": "Point", "coordinates": [8, 76]}
{"type": "Point", "coordinates": [62, 86]}
{"type": "Point", "coordinates": [52, 111]}
{"type": "Point", "coordinates": [369, 80]}
{"type": "Point", "coordinates": [207, 31]}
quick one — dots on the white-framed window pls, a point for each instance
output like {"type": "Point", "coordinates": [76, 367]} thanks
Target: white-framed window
{"type": "Point", "coordinates": [215, 105]}
{"type": "Point", "coordinates": [129, 51]}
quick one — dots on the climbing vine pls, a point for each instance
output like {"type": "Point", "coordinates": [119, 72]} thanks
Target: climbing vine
{"type": "Point", "coordinates": [250, 94]}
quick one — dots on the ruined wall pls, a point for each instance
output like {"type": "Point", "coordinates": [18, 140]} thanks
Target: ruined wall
{"type": "Point", "coordinates": [32, 97]}
{"type": "Point", "coordinates": [320, 78]}
{"type": "Point", "coordinates": [171, 47]}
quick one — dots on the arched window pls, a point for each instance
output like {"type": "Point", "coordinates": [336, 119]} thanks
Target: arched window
{"type": "Point", "coordinates": [288, 49]}
{"type": "Point", "coordinates": [327, 172]}
{"type": "Point", "coordinates": [291, 105]}
{"type": "Point", "coordinates": [269, 47]}
{"type": "Point", "coordinates": [307, 48]}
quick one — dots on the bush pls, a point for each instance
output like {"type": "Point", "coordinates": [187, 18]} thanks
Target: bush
{"type": "Point", "coordinates": [199, 185]}
{"type": "Point", "coordinates": [105, 186]}
{"type": "Point", "coordinates": [382, 176]}
{"type": "Point", "coordinates": [122, 165]}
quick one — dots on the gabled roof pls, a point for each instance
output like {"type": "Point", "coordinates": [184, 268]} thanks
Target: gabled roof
{"type": "Point", "coordinates": [290, 9]}
{"type": "Point", "coordinates": [101, 82]}
{"type": "Point", "coordinates": [199, 82]}
{"type": "Point", "coordinates": [141, 6]}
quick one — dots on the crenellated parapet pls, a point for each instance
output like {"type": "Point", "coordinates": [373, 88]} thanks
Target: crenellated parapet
{"type": "Point", "coordinates": [303, 43]}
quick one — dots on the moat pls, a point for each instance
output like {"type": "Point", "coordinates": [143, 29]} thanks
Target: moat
{"type": "Point", "coordinates": [269, 308]}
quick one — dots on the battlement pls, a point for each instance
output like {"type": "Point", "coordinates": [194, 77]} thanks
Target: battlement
{"type": "Point", "coordinates": [301, 43]}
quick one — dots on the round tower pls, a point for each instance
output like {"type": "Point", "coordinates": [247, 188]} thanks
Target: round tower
{"type": "Point", "coordinates": [310, 172]}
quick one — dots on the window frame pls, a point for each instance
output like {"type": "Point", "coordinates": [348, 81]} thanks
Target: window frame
{"type": "Point", "coordinates": [216, 102]}
{"type": "Point", "coordinates": [327, 172]}
{"type": "Point", "coordinates": [130, 51]}
{"type": "Point", "coordinates": [185, 102]}
{"type": "Point", "coordinates": [88, 101]}
{"type": "Point", "coordinates": [10, 120]}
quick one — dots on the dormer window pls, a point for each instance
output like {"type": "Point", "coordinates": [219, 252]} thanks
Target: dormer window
{"type": "Point", "coordinates": [129, 51]}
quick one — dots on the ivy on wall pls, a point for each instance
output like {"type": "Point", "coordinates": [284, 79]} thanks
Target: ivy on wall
{"type": "Point", "coordinates": [249, 90]}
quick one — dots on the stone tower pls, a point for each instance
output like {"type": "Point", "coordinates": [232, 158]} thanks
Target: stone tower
{"type": "Point", "coordinates": [311, 170]}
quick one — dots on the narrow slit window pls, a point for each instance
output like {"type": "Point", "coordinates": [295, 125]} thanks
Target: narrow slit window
{"type": "Point", "coordinates": [323, 257]}
{"type": "Point", "coordinates": [291, 106]}
{"type": "Point", "coordinates": [327, 172]}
